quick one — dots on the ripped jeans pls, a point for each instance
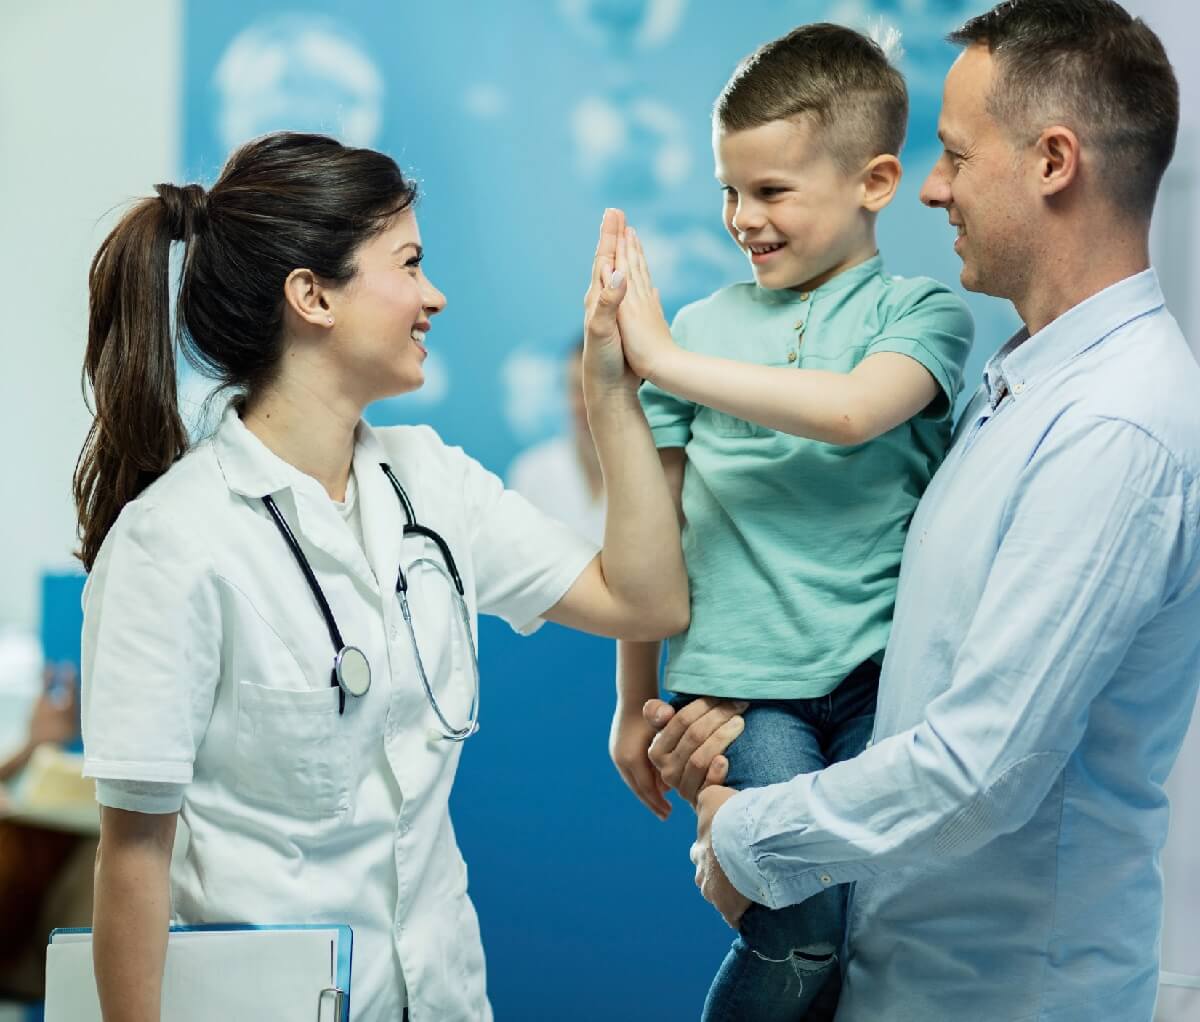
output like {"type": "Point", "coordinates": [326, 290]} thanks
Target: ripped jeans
{"type": "Point", "coordinates": [784, 966]}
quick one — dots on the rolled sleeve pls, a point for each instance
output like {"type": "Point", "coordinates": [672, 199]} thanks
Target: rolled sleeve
{"type": "Point", "coordinates": [140, 796]}
{"type": "Point", "coordinates": [151, 652]}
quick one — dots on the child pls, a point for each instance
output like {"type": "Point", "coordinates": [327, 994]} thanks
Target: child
{"type": "Point", "coordinates": [799, 419]}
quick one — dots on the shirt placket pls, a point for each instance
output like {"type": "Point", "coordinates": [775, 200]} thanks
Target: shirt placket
{"type": "Point", "coordinates": [801, 314]}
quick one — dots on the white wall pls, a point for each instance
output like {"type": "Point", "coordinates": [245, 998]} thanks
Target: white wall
{"type": "Point", "coordinates": [1176, 248]}
{"type": "Point", "coordinates": [1176, 230]}
{"type": "Point", "coordinates": [89, 108]}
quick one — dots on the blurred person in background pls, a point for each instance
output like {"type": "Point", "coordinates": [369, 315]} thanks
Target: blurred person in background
{"type": "Point", "coordinates": [562, 476]}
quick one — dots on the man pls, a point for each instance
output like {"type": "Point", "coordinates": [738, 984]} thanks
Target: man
{"type": "Point", "coordinates": [1005, 825]}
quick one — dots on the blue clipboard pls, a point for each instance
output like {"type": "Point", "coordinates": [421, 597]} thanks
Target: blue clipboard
{"type": "Point", "coordinates": [333, 1000]}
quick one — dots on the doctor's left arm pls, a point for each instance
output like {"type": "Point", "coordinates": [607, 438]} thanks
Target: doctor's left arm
{"type": "Point", "coordinates": [151, 664]}
{"type": "Point", "coordinates": [132, 912]}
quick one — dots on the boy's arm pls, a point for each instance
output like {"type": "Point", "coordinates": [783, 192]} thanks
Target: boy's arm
{"type": "Point", "coordinates": [881, 392]}
{"type": "Point", "coordinates": [884, 390]}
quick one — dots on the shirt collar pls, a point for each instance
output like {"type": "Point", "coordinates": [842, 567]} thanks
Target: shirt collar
{"type": "Point", "coordinates": [252, 470]}
{"type": "Point", "coordinates": [847, 278]}
{"type": "Point", "coordinates": [1025, 358]}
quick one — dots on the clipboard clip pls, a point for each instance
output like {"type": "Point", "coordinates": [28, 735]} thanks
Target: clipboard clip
{"type": "Point", "coordinates": [339, 1003]}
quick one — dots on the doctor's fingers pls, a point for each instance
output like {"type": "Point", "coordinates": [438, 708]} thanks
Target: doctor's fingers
{"type": "Point", "coordinates": [612, 228]}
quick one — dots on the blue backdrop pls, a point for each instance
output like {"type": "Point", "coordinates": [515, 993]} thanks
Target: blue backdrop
{"type": "Point", "coordinates": [522, 121]}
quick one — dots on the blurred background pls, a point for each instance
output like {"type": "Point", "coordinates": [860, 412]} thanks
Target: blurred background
{"type": "Point", "coordinates": [521, 121]}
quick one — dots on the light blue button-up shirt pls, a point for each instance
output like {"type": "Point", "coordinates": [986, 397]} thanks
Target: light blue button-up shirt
{"type": "Point", "coordinates": [1005, 825]}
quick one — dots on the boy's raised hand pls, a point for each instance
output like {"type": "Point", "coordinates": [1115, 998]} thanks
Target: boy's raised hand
{"type": "Point", "coordinates": [644, 331]}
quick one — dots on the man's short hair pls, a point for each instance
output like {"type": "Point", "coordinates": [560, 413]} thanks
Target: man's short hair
{"type": "Point", "coordinates": [1090, 66]}
{"type": "Point", "coordinates": [838, 77]}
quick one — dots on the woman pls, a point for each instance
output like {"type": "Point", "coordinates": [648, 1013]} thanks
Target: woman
{"type": "Point", "coordinates": [208, 647]}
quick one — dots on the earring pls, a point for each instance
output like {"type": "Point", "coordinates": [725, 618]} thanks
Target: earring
{"type": "Point", "coordinates": [329, 320]}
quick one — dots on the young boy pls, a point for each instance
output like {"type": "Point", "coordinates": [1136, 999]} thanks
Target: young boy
{"type": "Point", "coordinates": [799, 419]}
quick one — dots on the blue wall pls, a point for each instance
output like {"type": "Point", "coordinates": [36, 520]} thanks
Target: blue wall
{"type": "Point", "coordinates": [522, 121]}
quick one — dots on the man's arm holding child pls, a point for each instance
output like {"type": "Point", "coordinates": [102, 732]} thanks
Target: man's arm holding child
{"type": "Point", "coordinates": [884, 390]}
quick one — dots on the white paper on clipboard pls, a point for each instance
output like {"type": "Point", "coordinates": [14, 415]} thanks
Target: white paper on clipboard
{"type": "Point", "coordinates": [269, 974]}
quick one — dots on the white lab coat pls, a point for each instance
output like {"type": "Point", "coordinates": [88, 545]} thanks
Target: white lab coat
{"type": "Point", "coordinates": [207, 663]}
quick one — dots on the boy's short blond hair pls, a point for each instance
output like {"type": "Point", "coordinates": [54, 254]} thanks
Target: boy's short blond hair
{"type": "Point", "coordinates": [834, 75]}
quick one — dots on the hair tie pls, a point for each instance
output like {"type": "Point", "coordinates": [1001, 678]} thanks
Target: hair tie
{"type": "Point", "coordinates": [186, 209]}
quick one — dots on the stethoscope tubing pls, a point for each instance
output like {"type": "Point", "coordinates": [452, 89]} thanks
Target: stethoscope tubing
{"type": "Point", "coordinates": [449, 571]}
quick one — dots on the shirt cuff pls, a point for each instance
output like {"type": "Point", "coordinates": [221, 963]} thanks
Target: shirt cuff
{"type": "Point", "coordinates": [730, 842]}
{"type": "Point", "coordinates": [731, 837]}
{"type": "Point", "coordinates": [140, 796]}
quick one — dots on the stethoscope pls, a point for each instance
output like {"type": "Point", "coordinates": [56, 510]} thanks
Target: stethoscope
{"type": "Point", "coordinates": [351, 669]}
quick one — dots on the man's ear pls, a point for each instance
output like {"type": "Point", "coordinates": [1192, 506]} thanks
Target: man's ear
{"type": "Point", "coordinates": [1058, 159]}
{"type": "Point", "coordinates": [880, 179]}
{"type": "Point", "coordinates": [307, 298]}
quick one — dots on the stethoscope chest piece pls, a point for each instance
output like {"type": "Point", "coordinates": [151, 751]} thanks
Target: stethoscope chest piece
{"type": "Point", "coordinates": [352, 670]}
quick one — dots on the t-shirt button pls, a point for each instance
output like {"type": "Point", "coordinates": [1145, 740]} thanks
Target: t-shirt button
{"type": "Point", "coordinates": [805, 296]}
{"type": "Point", "coordinates": [826, 879]}
{"type": "Point", "coordinates": [791, 356]}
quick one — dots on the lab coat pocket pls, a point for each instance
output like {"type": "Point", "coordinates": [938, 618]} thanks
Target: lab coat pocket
{"type": "Point", "coordinates": [291, 755]}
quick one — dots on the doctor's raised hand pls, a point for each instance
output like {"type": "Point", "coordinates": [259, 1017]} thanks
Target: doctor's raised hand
{"type": "Point", "coordinates": [280, 619]}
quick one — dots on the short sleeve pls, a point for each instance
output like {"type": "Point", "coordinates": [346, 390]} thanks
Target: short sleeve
{"type": "Point", "coordinates": [524, 560]}
{"type": "Point", "coordinates": [933, 326]}
{"type": "Point", "coordinates": [670, 417]}
{"type": "Point", "coordinates": [151, 652]}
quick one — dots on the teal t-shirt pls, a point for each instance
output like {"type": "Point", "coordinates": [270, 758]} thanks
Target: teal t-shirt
{"type": "Point", "coordinates": [793, 545]}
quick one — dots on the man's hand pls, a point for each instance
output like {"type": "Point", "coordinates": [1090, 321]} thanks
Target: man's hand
{"type": "Point", "coordinates": [645, 335]}
{"type": "Point", "coordinates": [710, 877]}
{"type": "Point", "coordinates": [687, 749]}
{"type": "Point", "coordinates": [628, 743]}
{"type": "Point", "coordinates": [603, 357]}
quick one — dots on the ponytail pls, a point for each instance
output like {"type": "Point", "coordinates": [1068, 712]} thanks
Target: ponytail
{"type": "Point", "coordinates": [137, 432]}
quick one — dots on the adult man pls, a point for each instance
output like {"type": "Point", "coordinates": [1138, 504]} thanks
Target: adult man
{"type": "Point", "coordinates": [1004, 827]}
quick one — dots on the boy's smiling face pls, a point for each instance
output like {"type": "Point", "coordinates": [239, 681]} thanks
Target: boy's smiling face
{"type": "Point", "coordinates": [796, 214]}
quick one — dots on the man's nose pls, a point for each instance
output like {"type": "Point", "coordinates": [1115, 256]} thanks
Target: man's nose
{"type": "Point", "coordinates": [935, 192]}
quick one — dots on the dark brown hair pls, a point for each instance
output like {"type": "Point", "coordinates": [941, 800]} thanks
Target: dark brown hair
{"type": "Point", "coordinates": [1091, 66]}
{"type": "Point", "coordinates": [837, 76]}
{"type": "Point", "coordinates": [283, 202]}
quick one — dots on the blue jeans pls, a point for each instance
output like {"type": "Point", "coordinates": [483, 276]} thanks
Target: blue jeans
{"type": "Point", "coordinates": [784, 964]}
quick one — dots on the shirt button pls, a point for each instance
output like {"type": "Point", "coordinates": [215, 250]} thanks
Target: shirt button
{"type": "Point", "coordinates": [805, 296]}
{"type": "Point", "coordinates": [1017, 388]}
{"type": "Point", "coordinates": [826, 879]}
{"type": "Point", "coordinates": [791, 356]}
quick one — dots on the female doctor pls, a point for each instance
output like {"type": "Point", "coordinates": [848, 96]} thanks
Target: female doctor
{"type": "Point", "coordinates": [275, 644]}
